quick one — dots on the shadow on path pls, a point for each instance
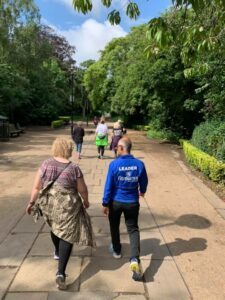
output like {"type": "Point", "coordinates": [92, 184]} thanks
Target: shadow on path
{"type": "Point", "coordinates": [189, 220]}
{"type": "Point", "coordinates": [176, 248]}
{"type": "Point", "coordinates": [149, 246]}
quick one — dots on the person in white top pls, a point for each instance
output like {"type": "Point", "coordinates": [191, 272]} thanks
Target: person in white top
{"type": "Point", "coordinates": [101, 137]}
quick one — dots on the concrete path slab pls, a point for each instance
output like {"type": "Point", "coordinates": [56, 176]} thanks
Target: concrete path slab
{"type": "Point", "coordinates": [43, 246]}
{"type": "Point", "coordinates": [163, 281]}
{"type": "Point", "coordinates": [101, 225]}
{"type": "Point", "coordinates": [38, 274]}
{"type": "Point", "coordinates": [152, 245]}
{"type": "Point", "coordinates": [27, 296]}
{"type": "Point", "coordinates": [82, 296]}
{"type": "Point", "coordinates": [221, 211]}
{"type": "Point", "coordinates": [15, 248]}
{"type": "Point", "coordinates": [130, 297]}
{"type": "Point", "coordinates": [6, 276]}
{"type": "Point", "coordinates": [108, 274]}
{"type": "Point", "coordinates": [95, 198]}
{"type": "Point", "coordinates": [95, 210]}
{"type": "Point", "coordinates": [27, 224]}
{"type": "Point", "coordinates": [146, 221]}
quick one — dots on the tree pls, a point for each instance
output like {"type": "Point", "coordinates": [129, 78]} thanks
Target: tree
{"type": "Point", "coordinates": [31, 94]}
{"type": "Point", "coordinates": [143, 90]}
{"type": "Point", "coordinates": [132, 9]}
{"type": "Point", "coordinates": [203, 36]}
{"type": "Point", "coordinates": [61, 49]}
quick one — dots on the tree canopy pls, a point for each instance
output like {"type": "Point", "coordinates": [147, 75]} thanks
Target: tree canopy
{"type": "Point", "coordinates": [35, 65]}
{"type": "Point", "coordinates": [166, 89]}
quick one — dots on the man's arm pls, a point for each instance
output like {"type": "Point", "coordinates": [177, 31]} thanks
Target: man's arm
{"type": "Point", "coordinates": [143, 181]}
{"type": "Point", "coordinates": [109, 186]}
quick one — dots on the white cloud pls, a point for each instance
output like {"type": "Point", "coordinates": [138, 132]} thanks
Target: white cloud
{"type": "Point", "coordinates": [91, 37]}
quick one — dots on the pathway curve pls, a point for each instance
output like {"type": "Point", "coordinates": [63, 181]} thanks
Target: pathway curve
{"type": "Point", "coordinates": [181, 223]}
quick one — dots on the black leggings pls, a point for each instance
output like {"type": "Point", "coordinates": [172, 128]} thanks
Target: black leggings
{"type": "Point", "coordinates": [101, 150]}
{"type": "Point", "coordinates": [63, 250]}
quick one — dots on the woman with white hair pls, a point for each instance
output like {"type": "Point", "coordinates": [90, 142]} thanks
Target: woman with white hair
{"type": "Point", "coordinates": [61, 194]}
{"type": "Point", "coordinates": [101, 137]}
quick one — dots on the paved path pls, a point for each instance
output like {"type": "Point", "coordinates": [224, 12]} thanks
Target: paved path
{"type": "Point", "coordinates": [181, 222]}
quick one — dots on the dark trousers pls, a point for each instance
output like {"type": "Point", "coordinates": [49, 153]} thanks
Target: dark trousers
{"type": "Point", "coordinates": [63, 250]}
{"type": "Point", "coordinates": [131, 212]}
{"type": "Point", "coordinates": [101, 150]}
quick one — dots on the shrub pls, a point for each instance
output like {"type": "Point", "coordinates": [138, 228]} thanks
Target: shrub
{"type": "Point", "coordinates": [202, 161]}
{"type": "Point", "coordinates": [210, 138]}
{"type": "Point", "coordinates": [165, 134]}
{"type": "Point", "coordinates": [57, 124]}
{"type": "Point", "coordinates": [65, 119]}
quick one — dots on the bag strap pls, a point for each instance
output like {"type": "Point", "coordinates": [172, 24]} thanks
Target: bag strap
{"type": "Point", "coordinates": [61, 172]}
{"type": "Point", "coordinates": [54, 180]}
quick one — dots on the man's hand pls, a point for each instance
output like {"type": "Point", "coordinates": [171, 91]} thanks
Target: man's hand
{"type": "Point", "coordinates": [142, 195]}
{"type": "Point", "coordinates": [105, 211]}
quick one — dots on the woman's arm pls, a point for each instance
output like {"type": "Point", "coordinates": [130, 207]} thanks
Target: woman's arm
{"type": "Point", "coordinates": [83, 191]}
{"type": "Point", "coordinates": [35, 191]}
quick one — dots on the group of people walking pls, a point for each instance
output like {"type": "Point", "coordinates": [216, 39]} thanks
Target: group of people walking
{"type": "Point", "coordinates": [101, 136]}
{"type": "Point", "coordinates": [60, 194]}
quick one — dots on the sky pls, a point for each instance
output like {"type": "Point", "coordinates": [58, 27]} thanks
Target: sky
{"type": "Point", "coordinates": [91, 32]}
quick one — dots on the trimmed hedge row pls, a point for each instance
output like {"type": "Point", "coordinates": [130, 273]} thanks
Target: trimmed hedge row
{"type": "Point", "coordinates": [202, 161]}
{"type": "Point", "coordinates": [57, 123]}
{"type": "Point", "coordinates": [65, 119]}
{"type": "Point", "coordinates": [210, 138]}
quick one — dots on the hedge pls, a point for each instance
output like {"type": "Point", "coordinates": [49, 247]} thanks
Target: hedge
{"type": "Point", "coordinates": [210, 138]}
{"type": "Point", "coordinates": [202, 161]}
{"type": "Point", "coordinates": [65, 119]}
{"type": "Point", "coordinates": [57, 123]}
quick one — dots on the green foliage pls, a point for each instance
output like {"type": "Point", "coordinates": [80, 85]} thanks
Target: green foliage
{"type": "Point", "coordinates": [210, 138]}
{"type": "Point", "coordinates": [65, 119]}
{"type": "Point", "coordinates": [165, 135]}
{"type": "Point", "coordinates": [57, 124]}
{"type": "Point", "coordinates": [154, 90]}
{"type": "Point", "coordinates": [27, 94]}
{"type": "Point", "coordinates": [207, 164]}
{"type": "Point", "coordinates": [83, 6]}
{"type": "Point", "coordinates": [132, 10]}
{"type": "Point", "coordinates": [114, 17]}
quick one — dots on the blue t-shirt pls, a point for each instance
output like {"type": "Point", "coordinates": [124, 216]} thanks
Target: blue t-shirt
{"type": "Point", "coordinates": [125, 179]}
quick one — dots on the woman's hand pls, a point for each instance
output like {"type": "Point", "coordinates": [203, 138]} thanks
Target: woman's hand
{"type": "Point", "coordinates": [29, 208]}
{"type": "Point", "coordinates": [86, 203]}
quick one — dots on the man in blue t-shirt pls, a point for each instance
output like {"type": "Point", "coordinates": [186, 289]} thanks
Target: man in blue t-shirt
{"type": "Point", "coordinates": [126, 181]}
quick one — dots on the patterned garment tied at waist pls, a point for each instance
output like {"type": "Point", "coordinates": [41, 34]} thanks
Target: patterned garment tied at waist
{"type": "Point", "coordinates": [64, 212]}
